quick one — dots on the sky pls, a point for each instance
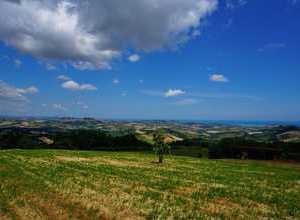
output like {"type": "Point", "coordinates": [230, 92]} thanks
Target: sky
{"type": "Point", "coordinates": [158, 59]}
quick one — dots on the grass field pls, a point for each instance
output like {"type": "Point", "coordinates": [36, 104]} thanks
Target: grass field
{"type": "Point", "coordinates": [57, 184]}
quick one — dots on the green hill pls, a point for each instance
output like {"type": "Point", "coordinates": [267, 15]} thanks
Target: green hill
{"type": "Point", "coordinates": [45, 184]}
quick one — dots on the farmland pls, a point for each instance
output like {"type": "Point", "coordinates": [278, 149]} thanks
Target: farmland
{"type": "Point", "coordinates": [217, 140]}
{"type": "Point", "coordinates": [59, 184]}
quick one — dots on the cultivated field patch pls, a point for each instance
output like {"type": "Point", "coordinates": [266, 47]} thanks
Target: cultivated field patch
{"type": "Point", "coordinates": [45, 184]}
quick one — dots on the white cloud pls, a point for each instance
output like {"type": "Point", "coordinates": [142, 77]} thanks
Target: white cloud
{"type": "Point", "coordinates": [233, 4]}
{"type": "Point", "coordinates": [72, 85]}
{"type": "Point", "coordinates": [10, 93]}
{"type": "Point", "coordinates": [14, 100]}
{"type": "Point", "coordinates": [50, 66]}
{"type": "Point", "coordinates": [218, 78]}
{"type": "Point", "coordinates": [193, 97]}
{"type": "Point", "coordinates": [81, 104]}
{"type": "Point", "coordinates": [187, 102]}
{"type": "Point", "coordinates": [63, 78]}
{"type": "Point", "coordinates": [134, 58]}
{"type": "Point", "coordinates": [29, 90]}
{"type": "Point", "coordinates": [116, 81]}
{"type": "Point", "coordinates": [18, 63]}
{"type": "Point", "coordinates": [168, 93]}
{"type": "Point", "coordinates": [59, 107]}
{"type": "Point", "coordinates": [196, 33]}
{"type": "Point", "coordinates": [174, 92]}
{"type": "Point", "coordinates": [90, 34]}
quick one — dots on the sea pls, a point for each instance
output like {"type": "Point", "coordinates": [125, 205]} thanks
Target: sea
{"type": "Point", "coordinates": [244, 123]}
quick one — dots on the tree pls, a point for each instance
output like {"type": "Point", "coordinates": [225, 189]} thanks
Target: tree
{"type": "Point", "coordinates": [160, 146]}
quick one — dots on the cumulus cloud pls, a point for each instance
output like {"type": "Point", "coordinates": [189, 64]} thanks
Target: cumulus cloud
{"type": "Point", "coordinates": [168, 93]}
{"type": "Point", "coordinates": [63, 78]}
{"type": "Point", "coordinates": [10, 93]}
{"type": "Point", "coordinates": [134, 58]}
{"type": "Point", "coordinates": [90, 34]}
{"type": "Point", "coordinates": [14, 99]}
{"type": "Point", "coordinates": [218, 78]}
{"type": "Point", "coordinates": [174, 92]}
{"type": "Point", "coordinates": [116, 81]}
{"type": "Point", "coordinates": [59, 107]}
{"type": "Point", "coordinates": [29, 90]}
{"type": "Point", "coordinates": [72, 85]}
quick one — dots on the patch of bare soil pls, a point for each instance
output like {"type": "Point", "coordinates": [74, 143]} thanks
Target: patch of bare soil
{"type": "Point", "coordinates": [224, 207]}
{"type": "Point", "coordinates": [260, 209]}
{"type": "Point", "coordinates": [27, 212]}
{"type": "Point", "coordinates": [121, 163]}
{"type": "Point", "coordinates": [4, 217]}
{"type": "Point", "coordinates": [184, 191]}
{"type": "Point", "coordinates": [42, 209]}
{"type": "Point", "coordinates": [75, 159]}
{"type": "Point", "coordinates": [232, 210]}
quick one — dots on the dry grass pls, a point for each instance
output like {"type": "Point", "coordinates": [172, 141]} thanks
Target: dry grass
{"type": "Point", "coordinates": [99, 185]}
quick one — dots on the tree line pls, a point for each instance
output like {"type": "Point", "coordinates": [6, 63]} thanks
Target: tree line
{"type": "Point", "coordinates": [242, 148]}
{"type": "Point", "coordinates": [73, 140]}
{"type": "Point", "coordinates": [85, 139]}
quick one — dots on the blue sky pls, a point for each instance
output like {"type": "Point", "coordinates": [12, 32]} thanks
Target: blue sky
{"type": "Point", "coordinates": [240, 62]}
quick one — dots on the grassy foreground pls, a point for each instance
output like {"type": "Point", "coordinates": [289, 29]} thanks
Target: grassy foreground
{"type": "Point", "coordinates": [41, 184]}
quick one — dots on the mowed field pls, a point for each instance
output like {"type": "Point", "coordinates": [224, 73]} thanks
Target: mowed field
{"type": "Point", "coordinates": [54, 184]}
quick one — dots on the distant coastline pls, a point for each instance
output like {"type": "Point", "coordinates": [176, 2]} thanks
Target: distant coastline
{"type": "Point", "coordinates": [242, 123]}
{"type": "Point", "coordinates": [246, 123]}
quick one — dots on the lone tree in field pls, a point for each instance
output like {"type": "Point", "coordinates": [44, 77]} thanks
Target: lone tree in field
{"type": "Point", "coordinates": [160, 146]}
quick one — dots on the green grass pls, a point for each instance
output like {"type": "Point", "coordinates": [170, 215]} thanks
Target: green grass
{"type": "Point", "coordinates": [44, 184]}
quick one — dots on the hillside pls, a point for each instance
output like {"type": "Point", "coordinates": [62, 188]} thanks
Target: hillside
{"type": "Point", "coordinates": [90, 185]}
